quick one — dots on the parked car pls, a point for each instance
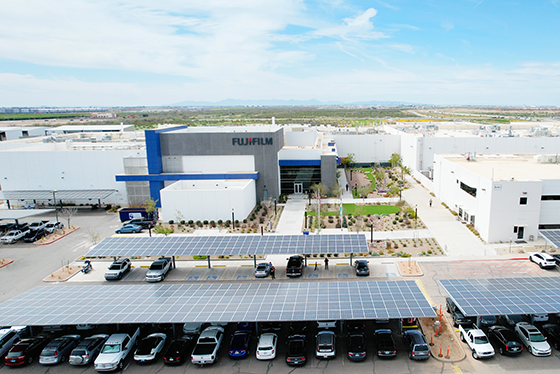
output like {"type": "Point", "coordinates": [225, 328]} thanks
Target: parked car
{"type": "Point", "coordinates": [24, 351]}
{"type": "Point", "coordinates": [12, 236]}
{"type": "Point", "coordinates": [477, 341]}
{"type": "Point", "coordinates": [505, 340]}
{"type": "Point", "coordinates": [417, 345]}
{"type": "Point", "coordinates": [59, 349]}
{"type": "Point", "coordinates": [456, 314]}
{"type": "Point", "coordinates": [552, 333]}
{"type": "Point", "coordinates": [159, 269]}
{"type": "Point", "coordinates": [326, 344]}
{"type": "Point", "coordinates": [511, 319]}
{"type": "Point", "coordinates": [409, 323]}
{"type": "Point", "coordinates": [533, 339]}
{"type": "Point", "coordinates": [87, 350]}
{"type": "Point", "coordinates": [149, 347]}
{"type": "Point", "coordinates": [487, 321]}
{"type": "Point", "coordinates": [266, 346]}
{"type": "Point", "coordinates": [357, 347]}
{"type": "Point", "coordinates": [294, 268]}
{"type": "Point", "coordinates": [248, 326]}
{"type": "Point", "coordinates": [38, 225]}
{"type": "Point", "coordinates": [556, 258]}
{"type": "Point", "coordinates": [53, 225]}
{"type": "Point", "coordinates": [262, 270]}
{"type": "Point", "coordinates": [9, 336]}
{"type": "Point", "coordinates": [544, 260]}
{"type": "Point", "coordinates": [118, 269]}
{"type": "Point", "coordinates": [270, 326]}
{"type": "Point", "coordinates": [129, 229]}
{"type": "Point", "coordinates": [362, 267]}
{"type": "Point", "coordinates": [326, 325]}
{"type": "Point", "coordinates": [115, 350]}
{"type": "Point", "coordinates": [143, 223]}
{"type": "Point", "coordinates": [296, 350]}
{"type": "Point", "coordinates": [385, 344]}
{"type": "Point", "coordinates": [178, 351]}
{"type": "Point", "coordinates": [539, 317]}
{"type": "Point", "coordinates": [33, 235]}
{"type": "Point", "coordinates": [207, 346]}
{"type": "Point", "coordinates": [355, 326]}
{"type": "Point", "coordinates": [239, 345]}
{"type": "Point", "coordinates": [192, 328]}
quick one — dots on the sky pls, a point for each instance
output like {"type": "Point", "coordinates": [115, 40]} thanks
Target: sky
{"type": "Point", "coordinates": [139, 52]}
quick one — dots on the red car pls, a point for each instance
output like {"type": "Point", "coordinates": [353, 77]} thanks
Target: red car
{"type": "Point", "coordinates": [25, 350]}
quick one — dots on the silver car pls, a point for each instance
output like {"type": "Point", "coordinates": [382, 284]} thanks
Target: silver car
{"type": "Point", "coordinates": [262, 270]}
{"type": "Point", "coordinates": [159, 269]}
{"type": "Point", "coordinates": [87, 350]}
{"type": "Point", "coordinates": [59, 349]}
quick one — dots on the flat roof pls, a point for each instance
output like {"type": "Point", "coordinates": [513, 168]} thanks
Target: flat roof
{"type": "Point", "coordinates": [504, 296]}
{"type": "Point", "coordinates": [232, 129]}
{"type": "Point", "coordinates": [250, 302]}
{"type": "Point", "coordinates": [229, 245]}
{"type": "Point", "coordinates": [508, 166]}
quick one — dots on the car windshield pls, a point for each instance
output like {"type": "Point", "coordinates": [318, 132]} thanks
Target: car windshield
{"type": "Point", "coordinates": [157, 266]}
{"type": "Point", "coordinates": [515, 318]}
{"type": "Point", "coordinates": [48, 353]}
{"type": "Point", "coordinates": [267, 348]}
{"type": "Point", "coordinates": [111, 348]}
{"type": "Point", "coordinates": [238, 341]}
{"type": "Point", "coordinates": [356, 344]}
{"type": "Point", "coordinates": [480, 340]}
{"type": "Point", "coordinates": [15, 353]}
{"type": "Point", "coordinates": [422, 348]}
{"type": "Point", "coordinates": [296, 346]}
{"type": "Point", "coordinates": [115, 267]}
{"type": "Point", "coordinates": [261, 268]}
{"type": "Point", "coordinates": [176, 345]}
{"type": "Point", "coordinates": [147, 345]}
{"type": "Point", "coordinates": [536, 338]}
{"type": "Point", "coordinates": [78, 352]}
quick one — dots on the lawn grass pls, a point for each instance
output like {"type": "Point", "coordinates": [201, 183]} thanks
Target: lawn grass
{"type": "Point", "coordinates": [369, 173]}
{"type": "Point", "coordinates": [370, 209]}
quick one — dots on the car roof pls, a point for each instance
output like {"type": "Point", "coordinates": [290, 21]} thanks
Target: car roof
{"type": "Point", "coordinates": [120, 260]}
{"type": "Point", "coordinates": [267, 338]}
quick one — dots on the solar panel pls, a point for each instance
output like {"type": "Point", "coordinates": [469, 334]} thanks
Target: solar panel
{"type": "Point", "coordinates": [60, 195]}
{"type": "Point", "coordinates": [502, 296]}
{"type": "Point", "coordinates": [178, 303]}
{"type": "Point", "coordinates": [229, 245]}
{"type": "Point", "coordinates": [551, 236]}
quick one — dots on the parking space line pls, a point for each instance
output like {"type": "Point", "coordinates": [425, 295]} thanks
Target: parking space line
{"type": "Point", "coordinates": [456, 369]}
{"type": "Point", "coordinates": [421, 286]}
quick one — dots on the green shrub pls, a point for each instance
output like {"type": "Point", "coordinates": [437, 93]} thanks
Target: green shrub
{"type": "Point", "coordinates": [245, 220]}
{"type": "Point", "coordinates": [220, 222]}
{"type": "Point", "coordinates": [170, 221]}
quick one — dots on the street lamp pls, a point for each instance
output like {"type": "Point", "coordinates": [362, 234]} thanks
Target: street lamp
{"type": "Point", "coordinates": [54, 202]}
{"type": "Point", "coordinates": [233, 217]}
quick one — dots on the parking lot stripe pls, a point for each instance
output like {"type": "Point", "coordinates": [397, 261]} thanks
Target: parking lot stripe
{"type": "Point", "coordinates": [456, 369]}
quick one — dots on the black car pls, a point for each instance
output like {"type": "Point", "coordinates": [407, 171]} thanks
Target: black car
{"type": "Point", "coordinates": [178, 351]}
{"type": "Point", "coordinates": [385, 344]}
{"type": "Point", "coordinates": [270, 326]}
{"type": "Point", "coordinates": [298, 328]}
{"type": "Point", "coordinates": [505, 340]}
{"type": "Point", "coordinates": [552, 333]}
{"type": "Point", "coordinates": [296, 352]}
{"type": "Point", "coordinates": [362, 267]}
{"type": "Point", "coordinates": [145, 224]}
{"type": "Point", "coordinates": [357, 347]}
{"type": "Point", "coordinates": [556, 258]}
{"type": "Point", "coordinates": [355, 326]}
{"type": "Point", "coordinates": [59, 349]}
{"type": "Point", "coordinates": [33, 235]}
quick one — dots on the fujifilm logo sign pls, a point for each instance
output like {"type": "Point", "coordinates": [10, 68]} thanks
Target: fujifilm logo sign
{"type": "Point", "coordinates": [252, 141]}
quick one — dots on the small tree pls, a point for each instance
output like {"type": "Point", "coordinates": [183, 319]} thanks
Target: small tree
{"type": "Point", "coordinates": [93, 236]}
{"type": "Point", "coordinates": [359, 211]}
{"type": "Point", "coordinates": [68, 213]}
{"type": "Point", "coordinates": [363, 191]}
{"type": "Point", "coordinates": [395, 160]}
{"type": "Point", "coordinates": [160, 229]}
{"type": "Point", "coordinates": [151, 208]}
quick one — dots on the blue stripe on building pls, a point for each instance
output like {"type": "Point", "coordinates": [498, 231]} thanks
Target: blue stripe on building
{"type": "Point", "coordinates": [299, 162]}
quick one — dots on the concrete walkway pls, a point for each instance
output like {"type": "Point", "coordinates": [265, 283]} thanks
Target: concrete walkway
{"type": "Point", "coordinates": [453, 236]}
{"type": "Point", "coordinates": [291, 221]}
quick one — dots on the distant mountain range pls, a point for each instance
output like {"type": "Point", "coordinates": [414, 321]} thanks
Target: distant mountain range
{"type": "Point", "coordinates": [273, 102]}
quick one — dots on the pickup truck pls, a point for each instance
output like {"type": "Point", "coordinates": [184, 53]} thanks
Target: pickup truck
{"type": "Point", "coordinates": [159, 269]}
{"type": "Point", "coordinates": [207, 346]}
{"type": "Point", "coordinates": [12, 236]}
{"type": "Point", "coordinates": [115, 350]}
{"type": "Point", "coordinates": [477, 341]}
{"type": "Point", "coordinates": [294, 267]}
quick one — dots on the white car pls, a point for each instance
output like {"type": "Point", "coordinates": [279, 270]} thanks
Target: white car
{"type": "Point", "coordinates": [12, 236]}
{"type": "Point", "coordinates": [544, 260]}
{"type": "Point", "coordinates": [149, 347]}
{"type": "Point", "coordinates": [51, 226]}
{"type": "Point", "coordinates": [266, 347]}
{"type": "Point", "coordinates": [533, 339]}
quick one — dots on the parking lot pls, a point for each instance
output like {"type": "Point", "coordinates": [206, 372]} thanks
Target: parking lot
{"type": "Point", "coordinates": [32, 263]}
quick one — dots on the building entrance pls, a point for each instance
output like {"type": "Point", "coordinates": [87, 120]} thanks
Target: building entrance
{"type": "Point", "coordinates": [298, 188]}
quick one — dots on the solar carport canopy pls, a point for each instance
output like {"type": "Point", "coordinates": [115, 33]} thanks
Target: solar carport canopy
{"type": "Point", "coordinates": [503, 296]}
{"type": "Point", "coordinates": [178, 303]}
{"type": "Point", "coordinates": [229, 245]}
{"type": "Point", "coordinates": [551, 236]}
{"type": "Point", "coordinates": [60, 194]}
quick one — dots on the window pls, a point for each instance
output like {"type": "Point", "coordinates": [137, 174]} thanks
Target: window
{"type": "Point", "coordinates": [550, 197]}
{"type": "Point", "coordinates": [515, 229]}
{"type": "Point", "coordinates": [522, 201]}
{"type": "Point", "coordinates": [468, 189]}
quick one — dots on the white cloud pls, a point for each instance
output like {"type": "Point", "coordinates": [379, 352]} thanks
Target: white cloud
{"type": "Point", "coordinates": [447, 26]}
{"type": "Point", "coordinates": [359, 27]}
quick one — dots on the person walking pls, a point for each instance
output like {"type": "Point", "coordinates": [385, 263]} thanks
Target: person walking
{"type": "Point", "coordinates": [346, 187]}
{"type": "Point", "coordinates": [315, 266]}
{"type": "Point", "coordinates": [326, 264]}
{"type": "Point", "coordinates": [430, 203]}
{"type": "Point", "coordinates": [272, 271]}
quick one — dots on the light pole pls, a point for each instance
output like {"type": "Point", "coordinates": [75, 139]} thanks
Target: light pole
{"type": "Point", "coordinates": [415, 216]}
{"type": "Point", "coordinates": [54, 203]}
{"type": "Point", "coordinates": [233, 217]}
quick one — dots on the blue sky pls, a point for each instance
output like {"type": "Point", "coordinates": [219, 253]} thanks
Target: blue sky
{"type": "Point", "coordinates": [82, 53]}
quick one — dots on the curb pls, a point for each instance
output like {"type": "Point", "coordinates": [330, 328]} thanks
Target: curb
{"type": "Point", "coordinates": [421, 274]}
{"type": "Point", "coordinates": [60, 237]}
{"type": "Point", "coordinates": [6, 264]}
{"type": "Point", "coordinates": [60, 280]}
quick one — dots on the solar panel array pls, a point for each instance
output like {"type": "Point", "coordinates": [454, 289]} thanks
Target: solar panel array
{"type": "Point", "coordinates": [502, 296]}
{"type": "Point", "coordinates": [178, 303]}
{"type": "Point", "coordinates": [552, 236]}
{"type": "Point", "coordinates": [229, 245]}
{"type": "Point", "coordinates": [60, 195]}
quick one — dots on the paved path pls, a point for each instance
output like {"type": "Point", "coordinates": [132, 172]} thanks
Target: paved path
{"type": "Point", "coordinates": [452, 235]}
{"type": "Point", "coordinates": [291, 221]}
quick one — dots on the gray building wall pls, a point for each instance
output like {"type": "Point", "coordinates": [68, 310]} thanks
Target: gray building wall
{"type": "Point", "coordinates": [221, 144]}
{"type": "Point", "coordinates": [328, 171]}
